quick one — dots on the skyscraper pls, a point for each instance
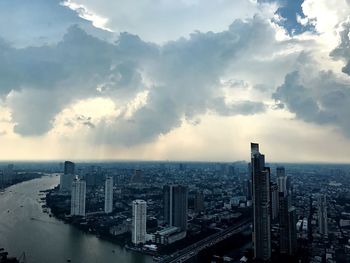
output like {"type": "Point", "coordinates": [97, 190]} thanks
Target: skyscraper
{"type": "Point", "coordinates": [284, 222]}
{"type": "Point", "coordinates": [67, 177]}
{"type": "Point", "coordinates": [261, 205]}
{"type": "Point", "coordinates": [69, 167]}
{"type": "Point", "coordinates": [175, 205]}
{"type": "Point", "coordinates": [287, 214]}
{"type": "Point", "coordinates": [322, 214]}
{"type": "Point", "coordinates": [139, 217]}
{"type": "Point", "coordinates": [78, 197]}
{"type": "Point", "coordinates": [109, 195]}
{"type": "Point", "coordinates": [274, 201]}
{"type": "Point", "coordinates": [292, 231]}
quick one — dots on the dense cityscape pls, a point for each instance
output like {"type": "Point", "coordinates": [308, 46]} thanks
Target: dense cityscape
{"type": "Point", "coordinates": [174, 131]}
{"type": "Point", "coordinates": [202, 212]}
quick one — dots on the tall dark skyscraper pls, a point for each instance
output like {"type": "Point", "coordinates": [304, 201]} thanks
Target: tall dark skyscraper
{"type": "Point", "coordinates": [67, 177]}
{"type": "Point", "coordinates": [284, 222]}
{"type": "Point", "coordinates": [69, 167]}
{"type": "Point", "coordinates": [292, 231]}
{"type": "Point", "coordinates": [287, 215]}
{"type": "Point", "coordinates": [175, 205]}
{"type": "Point", "coordinates": [274, 201]}
{"type": "Point", "coordinates": [261, 205]}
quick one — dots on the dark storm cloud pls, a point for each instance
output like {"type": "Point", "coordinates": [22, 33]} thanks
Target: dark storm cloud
{"type": "Point", "coordinates": [46, 79]}
{"type": "Point", "coordinates": [183, 78]}
{"type": "Point", "coordinates": [321, 98]}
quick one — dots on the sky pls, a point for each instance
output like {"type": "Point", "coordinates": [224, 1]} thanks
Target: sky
{"type": "Point", "coordinates": [185, 80]}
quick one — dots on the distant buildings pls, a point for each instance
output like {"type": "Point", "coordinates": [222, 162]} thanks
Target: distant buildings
{"type": "Point", "coordinates": [199, 202]}
{"type": "Point", "coordinates": [78, 197]}
{"type": "Point", "coordinates": [261, 205]}
{"type": "Point", "coordinates": [67, 177]}
{"type": "Point", "coordinates": [137, 177]}
{"type": "Point", "coordinates": [322, 214]}
{"type": "Point", "coordinates": [139, 217]}
{"type": "Point", "coordinates": [7, 176]}
{"type": "Point", "coordinates": [109, 195]}
{"type": "Point", "coordinates": [247, 187]}
{"type": "Point", "coordinates": [175, 205]}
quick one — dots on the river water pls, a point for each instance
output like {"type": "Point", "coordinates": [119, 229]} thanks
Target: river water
{"type": "Point", "coordinates": [46, 239]}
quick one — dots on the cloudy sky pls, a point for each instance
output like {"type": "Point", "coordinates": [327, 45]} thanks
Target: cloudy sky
{"type": "Point", "coordinates": [175, 80]}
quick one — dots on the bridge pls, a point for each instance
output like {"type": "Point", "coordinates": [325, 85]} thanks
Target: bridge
{"type": "Point", "coordinates": [192, 250]}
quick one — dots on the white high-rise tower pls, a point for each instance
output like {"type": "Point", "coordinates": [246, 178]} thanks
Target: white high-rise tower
{"type": "Point", "coordinates": [109, 195]}
{"type": "Point", "coordinates": [78, 198]}
{"type": "Point", "coordinates": [139, 216]}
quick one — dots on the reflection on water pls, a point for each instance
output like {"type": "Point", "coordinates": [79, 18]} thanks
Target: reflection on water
{"type": "Point", "coordinates": [25, 228]}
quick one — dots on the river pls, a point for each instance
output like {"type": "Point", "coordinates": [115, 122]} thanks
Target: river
{"type": "Point", "coordinates": [46, 239]}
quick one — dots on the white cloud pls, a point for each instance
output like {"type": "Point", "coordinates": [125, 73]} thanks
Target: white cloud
{"type": "Point", "coordinates": [163, 20]}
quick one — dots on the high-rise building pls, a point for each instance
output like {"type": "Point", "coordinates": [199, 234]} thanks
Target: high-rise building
{"type": "Point", "coordinates": [67, 177]}
{"type": "Point", "coordinates": [139, 217]}
{"type": "Point", "coordinates": [292, 231]}
{"type": "Point", "coordinates": [322, 214]}
{"type": "Point", "coordinates": [199, 202]}
{"type": "Point", "coordinates": [78, 197]}
{"type": "Point", "coordinates": [274, 201]}
{"type": "Point", "coordinates": [261, 205]}
{"type": "Point", "coordinates": [283, 222]}
{"type": "Point", "coordinates": [287, 215]}
{"type": "Point", "coordinates": [109, 195]}
{"type": "Point", "coordinates": [175, 205]}
{"type": "Point", "coordinates": [69, 167]}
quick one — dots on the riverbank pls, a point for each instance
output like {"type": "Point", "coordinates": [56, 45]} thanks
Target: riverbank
{"type": "Point", "coordinates": [20, 178]}
{"type": "Point", "coordinates": [97, 224]}
{"type": "Point", "coordinates": [46, 239]}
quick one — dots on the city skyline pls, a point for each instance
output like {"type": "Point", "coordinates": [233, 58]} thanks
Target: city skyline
{"type": "Point", "coordinates": [183, 80]}
{"type": "Point", "coordinates": [177, 212]}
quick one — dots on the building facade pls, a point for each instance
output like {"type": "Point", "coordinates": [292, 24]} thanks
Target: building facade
{"type": "Point", "coordinates": [67, 177]}
{"type": "Point", "coordinates": [139, 220]}
{"type": "Point", "coordinates": [78, 198]}
{"type": "Point", "coordinates": [109, 195]}
{"type": "Point", "coordinates": [261, 205]}
{"type": "Point", "coordinates": [175, 205]}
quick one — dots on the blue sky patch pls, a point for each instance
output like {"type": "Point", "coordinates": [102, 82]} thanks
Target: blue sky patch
{"type": "Point", "coordinates": [289, 11]}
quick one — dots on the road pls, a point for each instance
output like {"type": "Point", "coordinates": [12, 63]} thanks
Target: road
{"type": "Point", "coordinates": [194, 249]}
